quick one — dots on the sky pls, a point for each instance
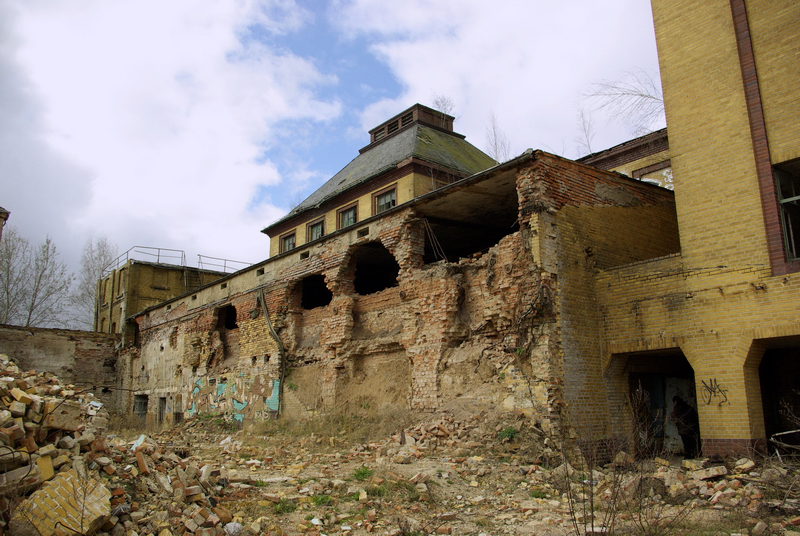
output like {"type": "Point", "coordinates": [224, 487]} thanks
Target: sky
{"type": "Point", "coordinates": [193, 124]}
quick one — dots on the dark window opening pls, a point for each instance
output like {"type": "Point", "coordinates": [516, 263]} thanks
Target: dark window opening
{"type": "Point", "coordinates": [386, 200]}
{"type": "Point", "coordinates": [348, 216]}
{"type": "Point", "coordinates": [375, 268]}
{"type": "Point", "coordinates": [363, 232]}
{"type": "Point", "coordinates": [227, 317]}
{"type": "Point", "coordinates": [260, 271]}
{"type": "Point", "coordinates": [787, 178]}
{"type": "Point", "coordinates": [316, 230]}
{"type": "Point", "coordinates": [287, 243]}
{"type": "Point", "coordinates": [315, 292]}
{"type": "Point", "coordinates": [406, 119]}
{"type": "Point", "coordinates": [304, 255]}
{"type": "Point", "coordinates": [140, 406]}
{"type": "Point", "coordinates": [392, 127]}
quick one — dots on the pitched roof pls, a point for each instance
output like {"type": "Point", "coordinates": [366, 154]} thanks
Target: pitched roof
{"type": "Point", "coordinates": [417, 140]}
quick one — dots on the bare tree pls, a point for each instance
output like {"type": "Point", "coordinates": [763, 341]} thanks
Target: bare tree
{"type": "Point", "coordinates": [14, 276]}
{"type": "Point", "coordinates": [585, 131]}
{"type": "Point", "coordinates": [443, 103]}
{"type": "Point", "coordinates": [498, 146]}
{"type": "Point", "coordinates": [34, 283]}
{"type": "Point", "coordinates": [97, 254]}
{"type": "Point", "coordinates": [634, 100]}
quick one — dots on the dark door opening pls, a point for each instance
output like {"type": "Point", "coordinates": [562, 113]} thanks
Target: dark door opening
{"type": "Point", "coordinates": [140, 406]}
{"type": "Point", "coordinates": [779, 374]}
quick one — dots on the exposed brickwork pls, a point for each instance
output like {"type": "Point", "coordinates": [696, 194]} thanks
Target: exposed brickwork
{"type": "Point", "coordinates": [445, 330]}
{"type": "Point", "coordinates": [66, 505]}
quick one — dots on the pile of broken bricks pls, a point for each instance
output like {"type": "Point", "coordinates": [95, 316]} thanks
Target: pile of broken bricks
{"type": "Point", "coordinates": [60, 474]}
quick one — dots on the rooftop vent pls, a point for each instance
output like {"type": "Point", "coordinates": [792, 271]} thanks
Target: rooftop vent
{"type": "Point", "coordinates": [417, 113]}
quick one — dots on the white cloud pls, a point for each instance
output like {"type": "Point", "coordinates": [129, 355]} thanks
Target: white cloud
{"type": "Point", "coordinates": [524, 60]}
{"type": "Point", "coordinates": [168, 106]}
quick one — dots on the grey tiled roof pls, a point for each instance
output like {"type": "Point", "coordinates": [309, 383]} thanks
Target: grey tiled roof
{"type": "Point", "coordinates": [420, 141]}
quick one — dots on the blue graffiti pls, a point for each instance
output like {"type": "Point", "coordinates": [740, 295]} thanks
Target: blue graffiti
{"type": "Point", "coordinates": [273, 402]}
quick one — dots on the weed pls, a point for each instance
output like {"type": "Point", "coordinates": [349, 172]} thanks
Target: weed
{"type": "Point", "coordinates": [362, 473]}
{"type": "Point", "coordinates": [538, 494]}
{"type": "Point", "coordinates": [321, 500]}
{"type": "Point", "coordinates": [291, 386]}
{"type": "Point", "coordinates": [259, 484]}
{"type": "Point", "coordinates": [285, 507]}
{"type": "Point", "coordinates": [508, 433]}
{"type": "Point", "coordinates": [377, 491]}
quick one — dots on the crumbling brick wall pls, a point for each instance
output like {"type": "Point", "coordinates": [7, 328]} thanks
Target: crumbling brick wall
{"type": "Point", "coordinates": [505, 324]}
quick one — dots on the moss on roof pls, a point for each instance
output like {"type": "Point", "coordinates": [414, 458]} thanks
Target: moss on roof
{"type": "Point", "coordinates": [419, 141]}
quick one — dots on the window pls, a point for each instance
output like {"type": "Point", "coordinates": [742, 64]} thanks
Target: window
{"type": "Point", "coordinates": [787, 177]}
{"type": "Point", "coordinates": [315, 230]}
{"type": "Point", "coordinates": [347, 216]}
{"type": "Point", "coordinates": [287, 242]}
{"type": "Point", "coordinates": [385, 200]}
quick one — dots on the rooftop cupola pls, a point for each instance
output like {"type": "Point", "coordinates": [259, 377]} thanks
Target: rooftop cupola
{"type": "Point", "coordinates": [416, 114]}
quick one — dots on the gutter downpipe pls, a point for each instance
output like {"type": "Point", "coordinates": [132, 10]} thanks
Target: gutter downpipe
{"type": "Point", "coordinates": [281, 348]}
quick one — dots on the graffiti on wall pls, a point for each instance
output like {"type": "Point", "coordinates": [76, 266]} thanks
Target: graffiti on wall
{"type": "Point", "coordinates": [713, 391]}
{"type": "Point", "coordinates": [242, 398]}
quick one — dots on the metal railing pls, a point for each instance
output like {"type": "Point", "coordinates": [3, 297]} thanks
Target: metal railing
{"type": "Point", "coordinates": [175, 257]}
{"type": "Point", "coordinates": [220, 265]}
{"type": "Point", "coordinates": [145, 253]}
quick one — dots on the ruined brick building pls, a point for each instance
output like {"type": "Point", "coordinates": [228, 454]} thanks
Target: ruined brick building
{"type": "Point", "coordinates": [424, 272]}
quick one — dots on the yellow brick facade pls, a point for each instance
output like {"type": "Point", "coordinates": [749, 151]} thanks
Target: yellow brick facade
{"type": "Point", "coordinates": [408, 187]}
{"type": "Point", "coordinates": [719, 303]}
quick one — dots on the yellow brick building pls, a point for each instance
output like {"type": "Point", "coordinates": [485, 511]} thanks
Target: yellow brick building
{"type": "Point", "coordinates": [718, 322]}
{"type": "Point", "coordinates": [411, 154]}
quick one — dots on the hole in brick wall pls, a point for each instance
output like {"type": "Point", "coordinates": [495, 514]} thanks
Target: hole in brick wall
{"type": "Point", "coordinates": [227, 317]}
{"type": "Point", "coordinates": [254, 360]}
{"type": "Point", "coordinates": [304, 255]}
{"type": "Point", "coordinates": [223, 286]}
{"type": "Point", "coordinates": [315, 292]}
{"type": "Point", "coordinates": [260, 271]}
{"type": "Point", "coordinates": [363, 232]}
{"type": "Point", "coordinates": [375, 268]}
{"type": "Point", "coordinates": [455, 240]}
{"type": "Point", "coordinates": [194, 297]}
{"type": "Point", "coordinates": [471, 220]}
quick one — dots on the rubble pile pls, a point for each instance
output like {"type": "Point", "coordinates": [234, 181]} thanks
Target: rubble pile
{"type": "Point", "coordinates": [451, 474]}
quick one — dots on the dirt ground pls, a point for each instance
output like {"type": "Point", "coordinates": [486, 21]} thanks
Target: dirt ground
{"type": "Point", "coordinates": [461, 470]}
